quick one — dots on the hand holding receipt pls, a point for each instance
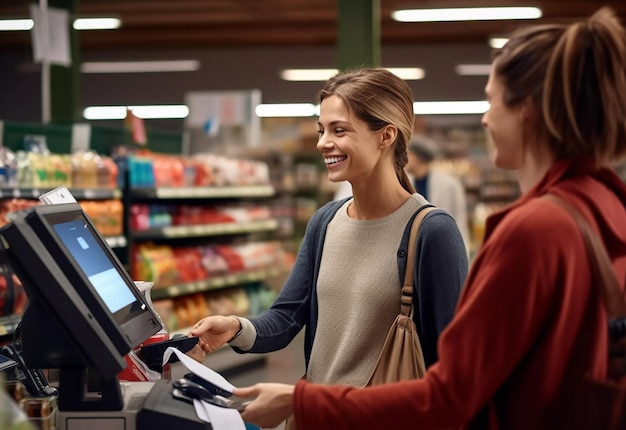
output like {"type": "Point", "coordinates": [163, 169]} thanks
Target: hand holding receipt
{"type": "Point", "coordinates": [202, 386]}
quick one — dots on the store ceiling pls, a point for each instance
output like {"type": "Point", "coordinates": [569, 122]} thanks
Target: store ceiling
{"type": "Point", "coordinates": [155, 24]}
{"type": "Point", "coordinates": [243, 44]}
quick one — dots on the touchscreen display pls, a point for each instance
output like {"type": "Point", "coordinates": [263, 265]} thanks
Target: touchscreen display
{"type": "Point", "coordinates": [93, 261]}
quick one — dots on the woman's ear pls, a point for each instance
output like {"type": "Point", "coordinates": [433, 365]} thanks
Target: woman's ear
{"type": "Point", "coordinates": [388, 135]}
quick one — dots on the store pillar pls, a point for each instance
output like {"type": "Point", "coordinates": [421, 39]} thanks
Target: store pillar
{"type": "Point", "coordinates": [358, 33]}
{"type": "Point", "coordinates": [63, 82]}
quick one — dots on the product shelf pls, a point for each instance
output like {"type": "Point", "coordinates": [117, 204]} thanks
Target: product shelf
{"type": "Point", "coordinates": [218, 229]}
{"type": "Point", "coordinates": [209, 192]}
{"type": "Point", "coordinates": [229, 280]}
{"type": "Point", "coordinates": [177, 222]}
{"type": "Point", "coordinates": [79, 194]}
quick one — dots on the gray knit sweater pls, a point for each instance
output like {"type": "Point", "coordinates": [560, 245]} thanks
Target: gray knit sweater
{"type": "Point", "coordinates": [440, 270]}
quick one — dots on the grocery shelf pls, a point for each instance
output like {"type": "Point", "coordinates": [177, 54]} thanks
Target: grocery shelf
{"type": "Point", "coordinates": [79, 194]}
{"type": "Point", "coordinates": [214, 283]}
{"type": "Point", "coordinates": [209, 192]}
{"type": "Point", "coordinates": [217, 229]}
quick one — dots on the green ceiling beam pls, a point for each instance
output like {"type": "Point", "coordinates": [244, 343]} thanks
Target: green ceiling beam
{"type": "Point", "coordinates": [358, 33]}
{"type": "Point", "coordinates": [64, 81]}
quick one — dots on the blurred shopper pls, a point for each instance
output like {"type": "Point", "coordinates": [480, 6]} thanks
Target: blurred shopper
{"type": "Point", "coordinates": [530, 323]}
{"type": "Point", "coordinates": [345, 286]}
{"type": "Point", "coordinates": [438, 186]}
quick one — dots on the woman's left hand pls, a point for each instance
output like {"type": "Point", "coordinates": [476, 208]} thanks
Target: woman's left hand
{"type": "Point", "coordinates": [272, 405]}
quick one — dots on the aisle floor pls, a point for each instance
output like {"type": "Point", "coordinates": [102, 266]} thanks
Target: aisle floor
{"type": "Point", "coordinates": [286, 365]}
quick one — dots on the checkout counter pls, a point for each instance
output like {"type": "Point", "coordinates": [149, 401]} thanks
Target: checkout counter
{"type": "Point", "coordinates": [147, 406]}
{"type": "Point", "coordinates": [84, 315]}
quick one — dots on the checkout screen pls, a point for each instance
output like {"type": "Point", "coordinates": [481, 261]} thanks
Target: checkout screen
{"type": "Point", "coordinates": [95, 264]}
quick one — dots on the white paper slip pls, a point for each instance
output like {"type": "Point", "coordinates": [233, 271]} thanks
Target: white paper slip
{"type": "Point", "coordinates": [57, 196]}
{"type": "Point", "coordinates": [201, 411]}
{"type": "Point", "coordinates": [220, 418]}
{"type": "Point", "coordinates": [199, 369]}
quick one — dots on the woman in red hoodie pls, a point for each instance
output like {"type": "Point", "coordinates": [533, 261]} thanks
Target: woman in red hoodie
{"type": "Point", "coordinates": [529, 320]}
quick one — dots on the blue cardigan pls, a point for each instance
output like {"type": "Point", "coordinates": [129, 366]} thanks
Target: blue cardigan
{"type": "Point", "coordinates": [440, 269]}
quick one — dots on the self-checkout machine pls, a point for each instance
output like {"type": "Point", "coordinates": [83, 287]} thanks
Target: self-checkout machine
{"type": "Point", "coordinates": [84, 315]}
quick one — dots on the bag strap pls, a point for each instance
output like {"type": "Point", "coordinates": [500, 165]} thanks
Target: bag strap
{"type": "Point", "coordinates": [406, 300]}
{"type": "Point", "coordinates": [601, 266]}
{"type": "Point", "coordinates": [602, 272]}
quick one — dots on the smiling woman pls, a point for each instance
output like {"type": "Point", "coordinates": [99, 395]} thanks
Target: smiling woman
{"type": "Point", "coordinates": [345, 286]}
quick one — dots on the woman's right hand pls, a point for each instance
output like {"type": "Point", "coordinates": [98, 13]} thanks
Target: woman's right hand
{"type": "Point", "coordinates": [215, 331]}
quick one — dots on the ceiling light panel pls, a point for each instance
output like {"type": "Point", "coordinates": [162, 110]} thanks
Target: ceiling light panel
{"type": "Point", "coordinates": [466, 14]}
{"type": "Point", "coordinates": [140, 66]}
{"type": "Point", "coordinates": [497, 42]}
{"type": "Point", "coordinates": [16, 24]}
{"type": "Point", "coordinates": [145, 112]}
{"type": "Point", "coordinates": [450, 108]}
{"type": "Point", "coordinates": [473, 69]}
{"type": "Point", "coordinates": [286, 110]}
{"type": "Point", "coordinates": [406, 73]}
{"type": "Point", "coordinates": [97, 23]}
{"type": "Point", "coordinates": [79, 24]}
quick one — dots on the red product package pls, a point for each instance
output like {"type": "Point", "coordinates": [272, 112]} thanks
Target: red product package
{"type": "Point", "coordinates": [137, 370]}
{"type": "Point", "coordinates": [232, 257]}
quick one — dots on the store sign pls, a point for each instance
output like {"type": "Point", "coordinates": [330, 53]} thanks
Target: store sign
{"type": "Point", "coordinates": [50, 36]}
{"type": "Point", "coordinates": [219, 113]}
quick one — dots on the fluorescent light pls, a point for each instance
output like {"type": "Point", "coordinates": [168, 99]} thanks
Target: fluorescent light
{"type": "Point", "coordinates": [308, 74]}
{"type": "Point", "coordinates": [473, 69]}
{"type": "Point", "coordinates": [160, 111]}
{"type": "Point", "coordinates": [145, 112]}
{"type": "Point", "coordinates": [96, 23]}
{"type": "Point", "coordinates": [16, 24]}
{"type": "Point", "coordinates": [294, 110]}
{"type": "Point", "coordinates": [104, 112]}
{"type": "Point", "coordinates": [406, 73]}
{"type": "Point", "coordinates": [466, 14]}
{"type": "Point", "coordinates": [450, 108]}
{"type": "Point", "coordinates": [140, 66]}
{"type": "Point", "coordinates": [498, 42]}
{"type": "Point", "coordinates": [79, 24]}
{"type": "Point", "coordinates": [286, 110]}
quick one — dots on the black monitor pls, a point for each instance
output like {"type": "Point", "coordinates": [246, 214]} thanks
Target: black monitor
{"type": "Point", "coordinates": [84, 312]}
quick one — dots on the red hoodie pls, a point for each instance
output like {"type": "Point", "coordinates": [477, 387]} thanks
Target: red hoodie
{"type": "Point", "coordinates": [528, 321]}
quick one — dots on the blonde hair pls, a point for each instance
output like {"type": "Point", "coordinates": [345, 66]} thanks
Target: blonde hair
{"type": "Point", "coordinates": [575, 77]}
{"type": "Point", "coordinates": [379, 98]}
